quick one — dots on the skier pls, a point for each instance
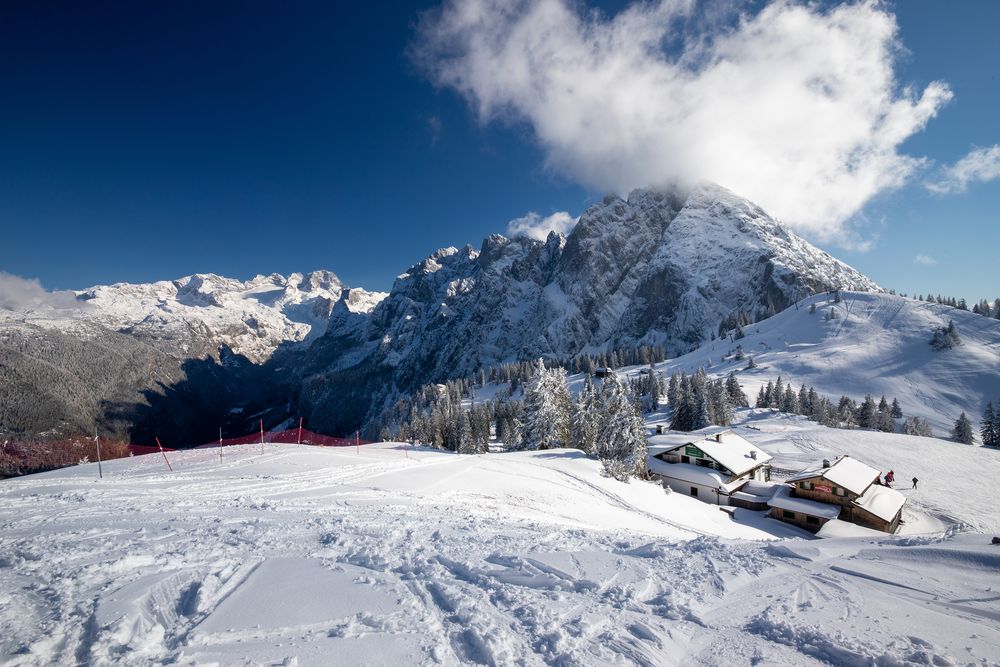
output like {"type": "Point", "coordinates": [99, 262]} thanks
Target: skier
{"type": "Point", "coordinates": [915, 480]}
{"type": "Point", "coordinates": [890, 477]}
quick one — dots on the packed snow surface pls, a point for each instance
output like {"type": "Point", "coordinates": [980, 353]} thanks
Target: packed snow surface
{"type": "Point", "coordinates": [395, 555]}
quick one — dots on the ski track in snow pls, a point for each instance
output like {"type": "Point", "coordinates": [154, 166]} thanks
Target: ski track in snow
{"type": "Point", "coordinates": [303, 555]}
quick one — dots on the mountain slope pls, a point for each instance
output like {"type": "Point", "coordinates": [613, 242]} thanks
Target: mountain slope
{"type": "Point", "coordinates": [655, 269]}
{"type": "Point", "coordinates": [877, 344]}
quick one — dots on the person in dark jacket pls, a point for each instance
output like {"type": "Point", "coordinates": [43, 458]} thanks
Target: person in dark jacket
{"type": "Point", "coordinates": [915, 480]}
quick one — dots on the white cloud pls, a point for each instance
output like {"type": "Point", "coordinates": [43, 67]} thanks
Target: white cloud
{"type": "Point", "coordinates": [17, 293]}
{"type": "Point", "coordinates": [794, 107]}
{"type": "Point", "coordinates": [979, 166]}
{"type": "Point", "coordinates": [537, 227]}
{"type": "Point", "coordinates": [926, 260]}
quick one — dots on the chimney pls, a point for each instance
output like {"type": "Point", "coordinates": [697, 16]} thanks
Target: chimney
{"type": "Point", "coordinates": [826, 463]}
{"type": "Point", "coordinates": [753, 454]}
{"type": "Point", "coordinates": [718, 437]}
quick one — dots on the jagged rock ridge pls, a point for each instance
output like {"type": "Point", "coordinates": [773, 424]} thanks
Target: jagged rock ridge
{"type": "Point", "coordinates": [656, 268]}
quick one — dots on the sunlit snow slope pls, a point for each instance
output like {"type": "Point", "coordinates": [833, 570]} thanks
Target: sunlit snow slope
{"type": "Point", "coordinates": [877, 344]}
{"type": "Point", "coordinates": [396, 556]}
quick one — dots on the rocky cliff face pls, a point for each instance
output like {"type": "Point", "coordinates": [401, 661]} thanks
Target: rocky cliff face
{"type": "Point", "coordinates": [656, 268]}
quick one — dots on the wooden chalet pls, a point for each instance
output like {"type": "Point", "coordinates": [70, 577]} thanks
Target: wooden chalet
{"type": "Point", "coordinates": [848, 490]}
{"type": "Point", "coordinates": [712, 464]}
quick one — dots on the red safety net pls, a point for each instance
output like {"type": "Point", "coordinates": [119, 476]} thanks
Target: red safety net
{"type": "Point", "coordinates": [289, 437]}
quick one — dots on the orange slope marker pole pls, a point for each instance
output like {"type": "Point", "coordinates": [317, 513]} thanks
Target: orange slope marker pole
{"type": "Point", "coordinates": [164, 455]}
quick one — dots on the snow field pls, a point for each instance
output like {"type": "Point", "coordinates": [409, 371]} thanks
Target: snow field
{"type": "Point", "coordinates": [412, 556]}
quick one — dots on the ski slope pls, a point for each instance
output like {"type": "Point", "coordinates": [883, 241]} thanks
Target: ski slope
{"type": "Point", "coordinates": [878, 344]}
{"type": "Point", "coordinates": [393, 555]}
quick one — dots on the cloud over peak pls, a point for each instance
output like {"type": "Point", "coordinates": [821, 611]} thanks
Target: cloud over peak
{"type": "Point", "coordinates": [795, 107]}
{"type": "Point", "coordinates": [17, 293]}
{"type": "Point", "coordinates": [535, 226]}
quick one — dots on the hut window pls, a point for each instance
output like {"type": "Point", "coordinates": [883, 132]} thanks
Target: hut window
{"type": "Point", "coordinates": [788, 514]}
{"type": "Point", "coordinates": [812, 519]}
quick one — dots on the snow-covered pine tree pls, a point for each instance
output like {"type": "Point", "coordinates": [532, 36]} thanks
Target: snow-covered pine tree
{"type": "Point", "coordinates": [990, 426]}
{"type": "Point", "coordinates": [946, 338]}
{"type": "Point", "coordinates": [777, 394]}
{"type": "Point", "coordinates": [789, 402]}
{"type": "Point", "coordinates": [621, 437]}
{"type": "Point", "coordinates": [654, 389]}
{"type": "Point", "coordinates": [546, 409]}
{"type": "Point", "coordinates": [916, 426]}
{"type": "Point", "coordinates": [673, 389]}
{"type": "Point", "coordinates": [583, 427]}
{"type": "Point", "coordinates": [683, 415]}
{"type": "Point", "coordinates": [896, 411]}
{"type": "Point", "coordinates": [884, 421]}
{"type": "Point", "coordinates": [962, 432]}
{"type": "Point", "coordinates": [868, 413]}
{"type": "Point", "coordinates": [804, 407]}
{"type": "Point", "coordinates": [735, 392]}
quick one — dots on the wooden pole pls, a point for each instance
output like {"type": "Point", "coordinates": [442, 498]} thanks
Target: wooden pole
{"type": "Point", "coordinates": [97, 440]}
{"type": "Point", "coordinates": [298, 441]}
{"type": "Point", "coordinates": [164, 454]}
{"type": "Point", "coordinates": [220, 444]}
{"type": "Point", "coordinates": [261, 436]}
{"type": "Point", "coordinates": [357, 442]}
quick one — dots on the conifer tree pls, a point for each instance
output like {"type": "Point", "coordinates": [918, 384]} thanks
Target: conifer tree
{"type": "Point", "coordinates": [621, 437]}
{"type": "Point", "coordinates": [868, 413]}
{"type": "Point", "coordinates": [583, 429]}
{"type": "Point", "coordinates": [735, 392]}
{"type": "Point", "coordinates": [990, 426]}
{"type": "Point", "coordinates": [962, 432]}
{"type": "Point", "coordinates": [896, 411]}
{"type": "Point", "coordinates": [546, 409]}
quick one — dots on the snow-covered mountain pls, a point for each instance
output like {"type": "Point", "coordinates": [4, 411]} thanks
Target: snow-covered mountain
{"type": "Point", "coordinates": [131, 358]}
{"type": "Point", "coordinates": [657, 268]}
{"type": "Point", "coordinates": [198, 314]}
{"type": "Point", "coordinates": [206, 311]}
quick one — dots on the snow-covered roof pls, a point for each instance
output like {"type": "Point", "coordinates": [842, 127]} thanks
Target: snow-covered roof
{"type": "Point", "coordinates": [849, 473]}
{"type": "Point", "coordinates": [687, 472]}
{"type": "Point", "coordinates": [761, 489]}
{"type": "Point", "coordinates": [733, 452]}
{"type": "Point", "coordinates": [673, 439]}
{"type": "Point", "coordinates": [783, 500]}
{"type": "Point", "coordinates": [881, 501]}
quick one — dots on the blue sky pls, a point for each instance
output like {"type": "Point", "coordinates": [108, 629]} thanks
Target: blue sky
{"type": "Point", "coordinates": [146, 141]}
